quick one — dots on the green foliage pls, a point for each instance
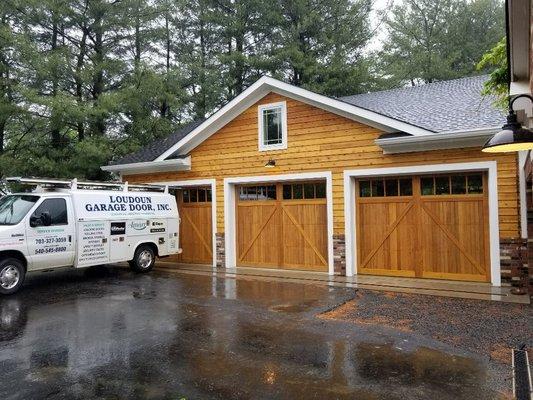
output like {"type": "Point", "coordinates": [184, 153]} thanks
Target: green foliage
{"type": "Point", "coordinates": [495, 60]}
{"type": "Point", "coordinates": [437, 40]}
{"type": "Point", "coordinates": [83, 82]}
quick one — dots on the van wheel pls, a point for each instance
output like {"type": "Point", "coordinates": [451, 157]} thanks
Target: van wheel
{"type": "Point", "coordinates": [11, 275]}
{"type": "Point", "coordinates": [143, 260]}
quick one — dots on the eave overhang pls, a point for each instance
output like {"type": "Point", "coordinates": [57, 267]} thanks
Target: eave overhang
{"type": "Point", "coordinates": [438, 141]}
{"type": "Point", "coordinates": [178, 164]}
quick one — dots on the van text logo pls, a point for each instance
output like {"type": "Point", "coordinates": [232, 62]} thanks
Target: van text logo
{"type": "Point", "coordinates": [138, 225]}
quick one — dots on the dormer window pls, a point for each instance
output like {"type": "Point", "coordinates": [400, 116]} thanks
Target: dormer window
{"type": "Point", "coordinates": [272, 126]}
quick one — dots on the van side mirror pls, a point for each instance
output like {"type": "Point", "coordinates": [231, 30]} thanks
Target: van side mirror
{"type": "Point", "coordinates": [35, 221]}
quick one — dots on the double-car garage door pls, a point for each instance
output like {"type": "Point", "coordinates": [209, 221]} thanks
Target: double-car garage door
{"type": "Point", "coordinates": [430, 226]}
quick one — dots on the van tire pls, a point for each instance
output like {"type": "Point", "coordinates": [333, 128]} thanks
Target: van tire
{"type": "Point", "coordinates": [143, 259]}
{"type": "Point", "coordinates": [12, 274]}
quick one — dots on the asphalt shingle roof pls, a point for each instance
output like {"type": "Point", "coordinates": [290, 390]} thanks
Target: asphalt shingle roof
{"type": "Point", "coordinates": [438, 107]}
{"type": "Point", "coordinates": [153, 150]}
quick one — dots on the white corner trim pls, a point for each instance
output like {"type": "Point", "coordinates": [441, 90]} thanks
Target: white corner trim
{"type": "Point", "coordinates": [522, 159]}
{"type": "Point", "coordinates": [260, 126]}
{"type": "Point", "coordinates": [203, 182]}
{"type": "Point", "coordinates": [229, 209]}
{"type": "Point", "coordinates": [265, 85]}
{"type": "Point", "coordinates": [436, 141]}
{"type": "Point", "coordinates": [178, 164]}
{"type": "Point", "coordinates": [350, 215]}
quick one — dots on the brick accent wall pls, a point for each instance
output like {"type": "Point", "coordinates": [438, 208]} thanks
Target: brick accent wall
{"type": "Point", "coordinates": [220, 247]}
{"type": "Point", "coordinates": [513, 259]}
{"type": "Point", "coordinates": [339, 255]}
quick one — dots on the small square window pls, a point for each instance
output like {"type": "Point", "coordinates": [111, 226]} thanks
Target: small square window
{"type": "Point", "coordinates": [406, 187]}
{"type": "Point", "coordinates": [271, 192]}
{"type": "Point", "coordinates": [427, 186]}
{"type": "Point", "coordinates": [297, 191]}
{"type": "Point", "coordinates": [458, 184]}
{"type": "Point", "coordinates": [186, 196]}
{"type": "Point", "coordinates": [475, 184]}
{"type": "Point", "coordinates": [287, 192]}
{"type": "Point", "coordinates": [442, 185]}
{"type": "Point", "coordinates": [208, 195]}
{"type": "Point", "coordinates": [272, 126]}
{"type": "Point", "coordinates": [309, 191]}
{"type": "Point", "coordinates": [378, 189]}
{"type": "Point", "coordinates": [391, 187]}
{"type": "Point", "coordinates": [320, 190]}
{"type": "Point", "coordinates": [364, 189]}
{"type": "Point", "coordinates": [194, 196]}
{"type": "Point", "coordinates": [201, 195]}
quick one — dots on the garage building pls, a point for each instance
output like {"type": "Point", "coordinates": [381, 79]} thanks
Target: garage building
{"type": "Point", "coordinates": [390, 183]}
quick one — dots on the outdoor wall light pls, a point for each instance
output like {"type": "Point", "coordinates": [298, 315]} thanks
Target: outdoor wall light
{"type": "Point", "coordinates": [270, 163]}
{"type": "Point", "coordinates": [512, 137]}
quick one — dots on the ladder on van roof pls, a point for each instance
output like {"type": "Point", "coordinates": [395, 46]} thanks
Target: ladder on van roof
{"type": "Point", "coordinates": [75, 184]}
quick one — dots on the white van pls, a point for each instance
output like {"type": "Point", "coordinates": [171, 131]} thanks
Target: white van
{"type": "Point", "coordinates": [81, 224]}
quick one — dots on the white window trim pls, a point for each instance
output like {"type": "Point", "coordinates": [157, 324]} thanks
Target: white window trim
{"type": "Point", "coordinates": [264, 107]}
{"type": "Point", "coordinates": [203, 182]}
{"type": "Point", "coordinates": [350, 215]}
{"type": "Point", "coordinates": [230, 226]}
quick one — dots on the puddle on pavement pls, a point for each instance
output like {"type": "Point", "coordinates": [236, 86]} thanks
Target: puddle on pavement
{"type": "Point", "coordinates": [297, 307]}
{"type": "Point", "coordinates": [386, 363]}
{"type": "Point", "coordinates": [197, 347]}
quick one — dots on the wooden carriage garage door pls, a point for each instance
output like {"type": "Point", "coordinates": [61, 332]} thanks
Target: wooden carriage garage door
{"type": "Point", "coordinates": [196, 232]}
{"type": "Point", "coordinates": [282, 226]}
{"type": "Point", "coordinates": [423, 226]}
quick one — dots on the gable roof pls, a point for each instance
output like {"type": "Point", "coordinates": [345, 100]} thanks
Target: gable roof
{"type": "Point", "coordinates": [455, 106]}
{"type": "Point", "coordinates": [447, 106]}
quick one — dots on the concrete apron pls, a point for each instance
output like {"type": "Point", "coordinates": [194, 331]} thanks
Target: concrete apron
{"type": "Point", "coordinates": [434, 287]}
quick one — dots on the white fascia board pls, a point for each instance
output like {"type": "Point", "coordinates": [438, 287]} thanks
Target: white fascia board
{"type": "Point", "coordinates": [179, 164]}
{"type": "Point", "coordinates": [265, 85]}
{"type": "Point", "coordinates": [438, 141]}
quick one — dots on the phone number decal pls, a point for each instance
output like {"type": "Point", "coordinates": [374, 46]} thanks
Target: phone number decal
{"type": "Point", "coordinates": [51, 240]}
{"type": "Point", "coordinates": [47, 250]}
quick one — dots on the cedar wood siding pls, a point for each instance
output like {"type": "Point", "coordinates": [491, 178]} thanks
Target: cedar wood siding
{"type": "Point", "coordinates": [322, 141]}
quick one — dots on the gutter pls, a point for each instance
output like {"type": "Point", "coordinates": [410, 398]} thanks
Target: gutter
{"type": "Point", "coordinates": [179, 164]}
{"type": "Point", "coordinates": [437, 141]}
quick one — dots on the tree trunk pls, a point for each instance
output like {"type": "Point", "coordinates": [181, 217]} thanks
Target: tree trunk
{"type": "Point", "coordinates": [79, 82]}
{"type": "Point", "coordinates": [98, 123]}
{"type": "Point", "coordinates": [54, 120]}
{"type": "Point", "coordinates": [164, 109]}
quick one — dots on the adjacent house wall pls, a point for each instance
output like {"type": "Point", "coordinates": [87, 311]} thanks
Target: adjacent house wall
{"type": "Point", "coordinates": [321, 141]}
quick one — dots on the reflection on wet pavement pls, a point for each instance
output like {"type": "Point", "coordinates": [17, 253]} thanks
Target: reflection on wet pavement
{"type": "Point", "coordinates": [164, 336]}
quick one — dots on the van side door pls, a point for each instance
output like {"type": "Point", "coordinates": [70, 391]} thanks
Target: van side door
{"type": "Point", "coordinates": [51, 233]}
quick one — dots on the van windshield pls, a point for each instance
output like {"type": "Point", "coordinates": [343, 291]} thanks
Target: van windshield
{"type": "Point", "coordinates": [14, 207]}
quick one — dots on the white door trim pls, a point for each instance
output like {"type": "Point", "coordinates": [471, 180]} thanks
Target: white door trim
{"type": "Point", "coordinates": [229, 208]}
{"type": "Point", "coordinates": [203, 182]}
{"type": "Point", "coordinates": [349, 205]}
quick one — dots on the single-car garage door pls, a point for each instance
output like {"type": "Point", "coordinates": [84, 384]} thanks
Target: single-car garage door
{"type": "Point", "coordinates": [196, 232]}
{"type": "Point", "coordinates": [282, 225]}
{"type": "Point", "coordinates": [433, 226]}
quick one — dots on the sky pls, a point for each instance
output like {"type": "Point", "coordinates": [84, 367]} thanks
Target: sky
{"type": "Point", "coordinates": [378, 12]}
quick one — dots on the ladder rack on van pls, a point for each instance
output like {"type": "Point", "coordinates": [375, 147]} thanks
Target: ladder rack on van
{"type": "Point", "coordinates": [75, 184]}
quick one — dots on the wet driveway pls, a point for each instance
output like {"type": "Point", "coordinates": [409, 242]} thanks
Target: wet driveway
{"type": "Point", "coordinates": [111, 334]}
